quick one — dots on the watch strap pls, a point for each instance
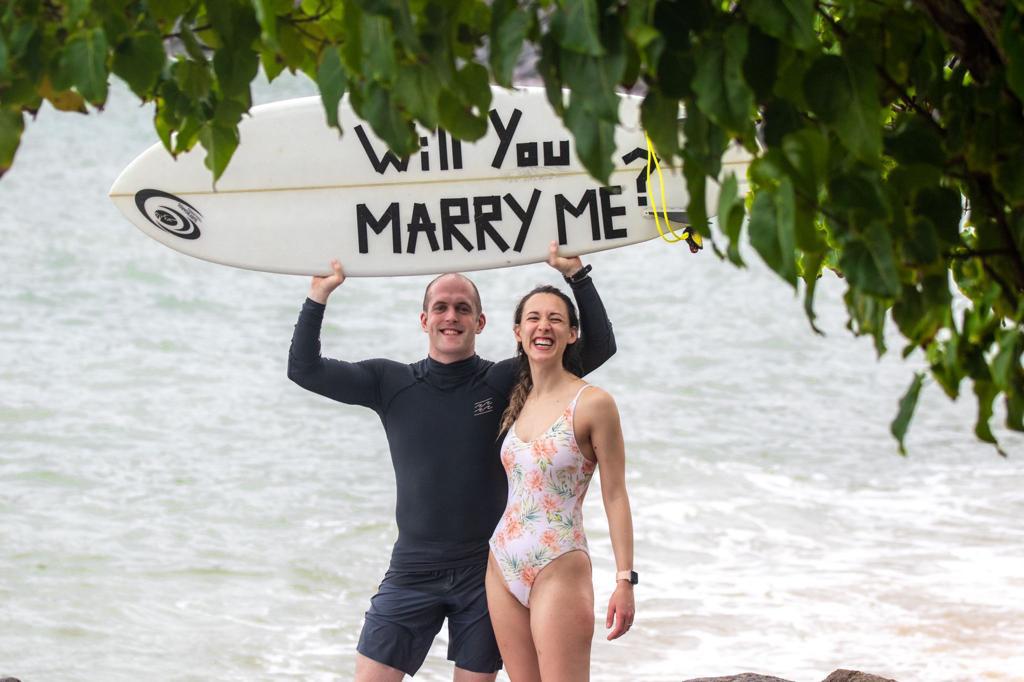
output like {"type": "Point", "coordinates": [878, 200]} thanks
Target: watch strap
{"type": "Point", "coordinates": [579, 275]}
{"type": "Point", "coordinates": [630, 576]}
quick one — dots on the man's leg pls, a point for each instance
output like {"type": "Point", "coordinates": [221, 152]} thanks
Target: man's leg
{"type": "Point", "coordinates": [404, 616]}
{"type": "Point", "coordinates": [466, 676]}
{"type": "Point", "coordinates": [471, 643]}
{"type": "Point", "coordinates": [369, 670]}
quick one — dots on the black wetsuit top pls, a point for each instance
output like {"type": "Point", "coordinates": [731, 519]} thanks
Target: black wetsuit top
{"type": "Point", "coordinates": [442, 423]}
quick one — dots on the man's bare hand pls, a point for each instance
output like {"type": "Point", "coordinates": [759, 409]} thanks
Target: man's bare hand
{"type": "Point", "coordinates": [321, 287]}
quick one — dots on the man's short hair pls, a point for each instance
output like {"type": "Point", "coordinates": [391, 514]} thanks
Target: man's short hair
{"type": "Point", "coordinates": [476, 292]}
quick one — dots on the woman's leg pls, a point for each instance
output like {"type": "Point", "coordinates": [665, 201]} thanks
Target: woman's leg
{"type": "Point", "coordinates": [511, 621]}
{"type": "Point", "coordinates": [562, 618]}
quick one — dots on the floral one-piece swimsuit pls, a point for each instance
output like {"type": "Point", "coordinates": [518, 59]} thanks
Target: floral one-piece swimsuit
{"type": "Point", "coordinates": [547, 480]}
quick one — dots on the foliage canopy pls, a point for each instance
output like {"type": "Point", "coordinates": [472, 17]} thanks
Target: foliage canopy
{"type": "Point", "coordinates": [889, 134]}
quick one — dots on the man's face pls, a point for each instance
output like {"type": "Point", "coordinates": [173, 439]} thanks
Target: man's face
{"type": "Point", "coordinates": [451, 320]}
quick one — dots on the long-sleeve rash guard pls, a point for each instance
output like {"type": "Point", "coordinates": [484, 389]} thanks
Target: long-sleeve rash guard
{"type": "Point", "coordinates": [441, 422]}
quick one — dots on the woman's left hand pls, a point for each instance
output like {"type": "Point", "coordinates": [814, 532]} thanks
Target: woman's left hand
{"type": "Point", "coordinates": [620, 610]}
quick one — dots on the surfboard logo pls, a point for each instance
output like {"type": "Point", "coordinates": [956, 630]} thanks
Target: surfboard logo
{"type": "Point", "coordinates": [169, 213]}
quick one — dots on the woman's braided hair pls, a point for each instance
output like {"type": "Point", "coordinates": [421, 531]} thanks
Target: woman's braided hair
{"type": "Point", "coordinates": [524, 380]}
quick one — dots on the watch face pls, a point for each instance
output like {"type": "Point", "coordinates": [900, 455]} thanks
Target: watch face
{"type": "Point", "coordinates": [633, 578]}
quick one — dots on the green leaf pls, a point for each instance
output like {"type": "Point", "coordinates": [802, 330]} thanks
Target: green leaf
{"type": "Point", "coordinates": [859, 197]}
{"type": "Point", "coordinates": [675, 72]}
{"type": "Point", "coordinates": [165, 10]}
{"type": "Point", "coordinates": [870, 265]}
{"type": "Point", "coordinates": [811, 265]}
{"type": "Point", "coordinates": [235, 68]}
{"type": "Point", "coordinates": [942, 206]}
{"type": "Point", "coordinates": [913, 142]}
{"type": "Point", "coordinates": [65, 100]}
{"type": "Point", "coordinates": [139, 61]}
{"type": "Point", "coordinates": [378, 49]}
{"type": "Point", "coordinates": [272, 63]}
{"type": "Point", "coordinates": [772, 229]}
{"type": "Point", "coordinates": [84, 64]}
{"type": "Point", "coordinates": [459, 120]}
{"type": "Point", "coordinates": [194, 79]}
{"type": "Point", "coordinates": [791, 21]}
{"type": "Point", "coordinates": [659, 115]}
{"type": "Point", "coordinates": [1012, 39]}
{"type": "Point", "coordinates": [696, 189]}
{"type": "Point", "coordinates": [266, 15]}
{"type": "Point", "coordinates": [294, 52]}
{"type": "Point", "coordinates": [780, 119]}
{"type": "Point", "coordinates": [1015, 411]}
{"type": "Point", "coordinates": [378, 109]}
{"type": "Point", "coordinates": [1009, 178]}
{"type": "Point", "coordinates": [731, 212]}
{"type": "Point", "coordinates": [12, 123]}
{"type": "Point", "coordinates": [906, 412]}
{"type": "Point", "coordinates": [986, 392]}
{"type": "Point", "coordinates": [1006, 370]}
{"type": "Point", "coordinates": [193, 48]}
{"type": "Point", "coordinates": [228, 113]}
{"type": "Point", "coordinates": [474, 87]}
{"type": "Point", "coordinates": [332, 81]}
{"type": "Point", "coordinates": [721, 90]}
{"type": "Point", "coordinates": [806, 151]}
{"type": "Point", "coordinates": [576, 24]}
{"type": "Point", "coordinates": [843, 92]}
{"type": "Point", "coordinates": [417, 88]}
{"type": "Point", "coordinates": [595, 139]}
{"type": "Point", "coordinates": [549, 68]}
{"type": "Point", "coordinates": [921, 246]}
{"type": "Point", "coordinates": [509, 25]}
{"type": "Point", "coordinates": [761, 64]}
{"type": "Point", "coordinates": [910, 315]}
{"type": "Point", "coordinates": [867, 316]}
{"type": "Point", "coordinates": [188, 134]}
{"type": "Point", "coordinates": [5, 72]}
{"type": "Point", "coordinates": [220, 144]}
{"type": "Point", "coordinates": [592, 80]}
{"type": "Point", "coordinates": [74, 11]}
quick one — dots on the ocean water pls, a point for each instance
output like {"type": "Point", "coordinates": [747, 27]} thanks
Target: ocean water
{"type": "Point", "coordinates": [173, 508]}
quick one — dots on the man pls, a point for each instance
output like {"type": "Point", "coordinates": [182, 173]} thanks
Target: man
{"type": "Point", "coordinates": [441, 417]}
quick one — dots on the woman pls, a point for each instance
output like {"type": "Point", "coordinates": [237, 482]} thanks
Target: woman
{"type": "Point", "coordinates": [559, 430]}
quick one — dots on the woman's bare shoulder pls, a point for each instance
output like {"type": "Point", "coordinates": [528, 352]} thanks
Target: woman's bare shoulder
{"type": "Point", "coordinates": [597, 402]}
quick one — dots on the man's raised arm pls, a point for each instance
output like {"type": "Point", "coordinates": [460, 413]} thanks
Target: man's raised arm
{"type": "Point", "coordinates": [347, 382]}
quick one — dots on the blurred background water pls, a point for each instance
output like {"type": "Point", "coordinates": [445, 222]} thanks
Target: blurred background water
{"type": "Point", "coordinates": [173, 508]}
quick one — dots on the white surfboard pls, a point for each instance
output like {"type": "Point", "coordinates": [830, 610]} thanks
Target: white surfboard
{"type": "Point", "coordinates": [296, 194]}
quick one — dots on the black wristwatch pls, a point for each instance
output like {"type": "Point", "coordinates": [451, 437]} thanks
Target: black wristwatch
{"type": "Point", "coordinates": [579, 275]}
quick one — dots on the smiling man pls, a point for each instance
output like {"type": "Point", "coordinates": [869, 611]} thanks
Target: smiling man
{"type": "Point", "coordinates": [441, 418]}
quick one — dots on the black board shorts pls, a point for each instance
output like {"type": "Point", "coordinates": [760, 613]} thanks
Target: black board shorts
{"type": "Point", "coordinates": [409, 608]}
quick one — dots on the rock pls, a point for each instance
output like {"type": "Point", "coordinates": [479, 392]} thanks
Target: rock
{"type": "Point", "coordinates": [837, 676]}
{"type": "Point", "coordinates": [742, 677]}
{"type": "Point", "coordinates": [855, 676]}
{"type": "Point", "coordinates": [9, 679]}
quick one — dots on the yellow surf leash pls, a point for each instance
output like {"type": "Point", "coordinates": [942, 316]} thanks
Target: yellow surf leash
{"type": "Point", "coordinates": [688, 235]}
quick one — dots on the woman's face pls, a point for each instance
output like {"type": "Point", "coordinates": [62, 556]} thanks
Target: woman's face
{"type": "Point", "coordinates": [544, 330]}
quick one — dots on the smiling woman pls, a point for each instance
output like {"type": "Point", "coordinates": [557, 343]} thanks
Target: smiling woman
{"type": "Point", "coordinates": [539, 583]}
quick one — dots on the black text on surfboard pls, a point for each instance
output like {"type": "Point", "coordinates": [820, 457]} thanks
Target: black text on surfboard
{"type": "Point", "coordinates": [528, 154]}
{"type": "Point", "coordinates": [449, 153]}
{"type": "Point", "coordinates": [494, 220]}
